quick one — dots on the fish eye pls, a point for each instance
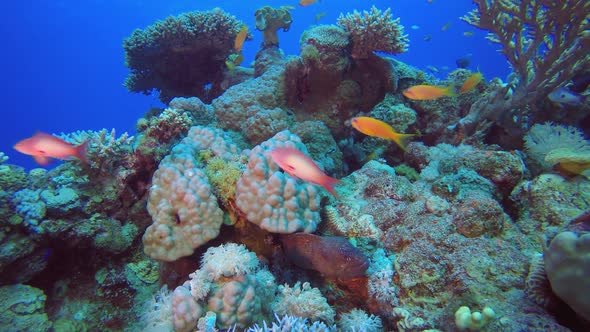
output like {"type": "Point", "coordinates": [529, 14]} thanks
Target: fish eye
{"type": "Point", "coordinates": [563, 95]}
{"type": "Point", "coordinates": [41, 151]}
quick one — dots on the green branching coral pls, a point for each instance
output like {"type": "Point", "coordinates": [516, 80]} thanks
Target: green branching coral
{"type": "Point", "coordinates": [181, 55]}
{"type": "Point", "coordinates": [269, 20]}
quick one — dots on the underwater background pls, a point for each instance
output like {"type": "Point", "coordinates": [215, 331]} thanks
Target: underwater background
{"type": "Point", "coordinates": [309, 165]}
{"type": "Point", "coordinates": [67, 55]}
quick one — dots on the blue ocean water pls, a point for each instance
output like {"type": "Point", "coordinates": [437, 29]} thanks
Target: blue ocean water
{"type": "Point", "coordinates": [63, 64]}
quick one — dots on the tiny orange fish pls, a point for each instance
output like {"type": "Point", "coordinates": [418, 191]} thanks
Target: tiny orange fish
{"type": "Point", "coordinates": [298, 165]}
{"type": "Point", "coordinates": [304, 3]}
{"type": "Point", "coordinates": [240, 38]}
{"type": "Point", "coordinates": [44, 146]}
{"type": "Point", "coordinates": [471, 82]}
{"type": "Point", "coordinates": [427, 92]}
{"type": "Point", "coordinates": [377, 128]}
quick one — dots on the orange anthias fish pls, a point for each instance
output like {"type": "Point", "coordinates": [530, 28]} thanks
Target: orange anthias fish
{"type": "Point", "coordinates": [298, 165]}
{"type": "Point", "coordinates": [428, 92]}
{"type": "Point", "coordinates": [471, 82]}
{"type": "Point", "coordinates": [44, 146]}
{"type": "Point", "coordinates": [240, 38]}
{"type": "Point", "coordinates": [304, 3]}
{"type": "Point", "coordinates": [380, 129]}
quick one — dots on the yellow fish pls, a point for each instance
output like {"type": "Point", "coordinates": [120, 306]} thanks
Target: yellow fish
{"type": "Point", "coordinates": [468, 33]}
{"type": "Point", "coordinates": [377, 128]}
{"type": "Point", "coordinates": [471, 82]}
{"type": "Point", "coordinates": [427, 92]}
{"type": "Point", "coordinates": [240, 38]}
{"type": "Point", "coordinates": [445, 27]}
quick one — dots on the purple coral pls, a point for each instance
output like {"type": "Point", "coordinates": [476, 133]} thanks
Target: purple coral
{"type": "Point", "coordinates": [374, 31]}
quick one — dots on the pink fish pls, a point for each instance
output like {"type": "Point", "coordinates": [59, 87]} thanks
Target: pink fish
{"type": "Point", "coordinates": [298, 165]}
{"type": "Point", "coordinates": [44, 146]}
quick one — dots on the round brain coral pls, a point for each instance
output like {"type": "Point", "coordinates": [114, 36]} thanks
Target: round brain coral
{"type": "Point", "coordinates": [184, 211]}
{"type": "Point", "coordinates": [272, 199]}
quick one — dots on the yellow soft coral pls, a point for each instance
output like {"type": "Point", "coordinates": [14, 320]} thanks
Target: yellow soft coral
{"type": "Point", "coordinates": [223, 175]}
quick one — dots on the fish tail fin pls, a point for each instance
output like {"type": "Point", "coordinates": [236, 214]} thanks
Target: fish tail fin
{"type": "Point", "coordinates": [81, 152]}
{"type": "Point", "coordinates": [402, 140]}
{"type": "Point", "coordinates": [328, 183]}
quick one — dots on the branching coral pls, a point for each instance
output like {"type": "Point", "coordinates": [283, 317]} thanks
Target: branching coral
{"type": "Point", "coordinates": [181, 55]}
{"type": "Point", "coordinates": [546, 43]}
{"type": "Point", "coordinates": [374, 31]}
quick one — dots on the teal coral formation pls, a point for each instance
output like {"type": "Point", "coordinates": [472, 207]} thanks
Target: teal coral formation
{"type": "Point", "coordinates": [450, 227]}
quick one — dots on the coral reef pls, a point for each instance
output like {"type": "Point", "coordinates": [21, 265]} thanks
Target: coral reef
{"type": "Point", "coordinates": [230, 283]}
{"type": "Point", "coordinates": [428, 238]}
{"type": "Point", "coordinates": [303, 301]}
{"type": "Point", "coordinates": [543, 41]}
{"type": "Point", "coordinates": [374, 31]}
{"type": "Point", "coordinates": [180, 56]}
{"type": "Point", "coordinates": [269, 20]}
{"type": "Point", "coordinates": [272, 199]}
{"type": "Point", "coordinates": [181, 201]}
{"type": "Point", "coordinates": [23, 309]}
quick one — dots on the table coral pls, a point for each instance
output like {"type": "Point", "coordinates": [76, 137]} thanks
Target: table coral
{"type": "Point", "coordinates": [374, 31]}
{"type": "Point", "coordinates": [272, 199]}
{"type": "Point", "coordinates": [181, 55]}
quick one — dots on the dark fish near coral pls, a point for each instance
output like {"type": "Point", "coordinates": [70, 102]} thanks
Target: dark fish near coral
{"type": "Point", "coordinates": [332, 256]}
{"type": "Point", "coordinates": [463, 62]}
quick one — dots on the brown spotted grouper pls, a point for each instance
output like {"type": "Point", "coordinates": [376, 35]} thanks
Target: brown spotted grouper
{"type": "Point", "coordinates": [332, 256]}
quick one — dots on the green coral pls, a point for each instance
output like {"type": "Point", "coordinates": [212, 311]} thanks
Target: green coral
{"type": "Point", "coordinates": [223, 175]}
{"type": "Point", "coordinates": [407, 171]}
{"type": "Point", "coordinates": [147, 271]}
{"type": "Point", "coordinates": [269, 20]}
{"type": "Point", "coordinates": [12, 178]}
